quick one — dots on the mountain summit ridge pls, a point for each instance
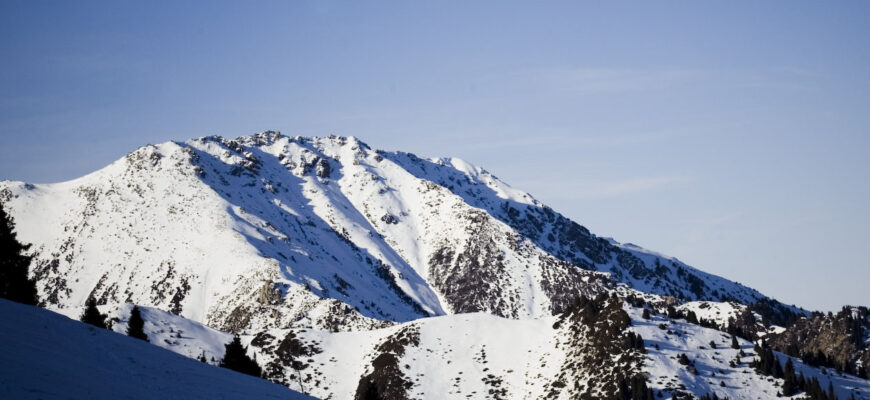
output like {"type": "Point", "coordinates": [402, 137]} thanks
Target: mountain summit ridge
{"type": "Point", "coordinates": [322, 230]}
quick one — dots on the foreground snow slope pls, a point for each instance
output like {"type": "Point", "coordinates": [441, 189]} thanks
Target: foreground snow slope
{"type": "Point", "coordinates": [268, 231]}
{"type": "Point", "coordinates": [44, 355]}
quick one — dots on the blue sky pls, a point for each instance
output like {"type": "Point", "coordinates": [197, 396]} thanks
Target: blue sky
{"type": "Point", "coordinates": [733, 136]}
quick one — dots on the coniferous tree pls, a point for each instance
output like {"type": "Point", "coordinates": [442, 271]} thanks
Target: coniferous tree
{"type": "Point", "coordinates": [92, 314]}
{"type": "Point", "coordinates": [790, 383]}
{"type": "Point", "coordinates": [236, 358]}
{"type": "Point", "coordinates": [734, 344]}
{"type": "Point", "coordinates": [683, 359]}
{"type": "Point", "coordinates": [371, 392]}
{"type": "Point", "coordinates": [136, 325]}
{"type": "Point", "coordinates": [14, 264]}
{"type": "Point", "coordinates": [645, 314]}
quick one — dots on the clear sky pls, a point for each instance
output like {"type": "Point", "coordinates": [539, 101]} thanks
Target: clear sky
{"type": "Point", "coordinates": [733, 135]}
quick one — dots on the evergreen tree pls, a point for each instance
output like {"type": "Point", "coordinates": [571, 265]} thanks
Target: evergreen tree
{"type": "Point", "coordinates": [683, 359]}
{"type": "Point", "coordinates": [371, 392]}
{"type": "Point", "coordinates": [734, 344]}
{"type": "Point", "coordinates": [645, 314]}
{"type": "Point", "coordinates": [14, 264]}
{"type": "Point", "coordinates": [136, 325]}
{"type": "Point", "coordinates": [92, 314]}
{"type": "Point", "coordinates": [790, 383]}
{"type": "Point", "coordinates": [236, 358]}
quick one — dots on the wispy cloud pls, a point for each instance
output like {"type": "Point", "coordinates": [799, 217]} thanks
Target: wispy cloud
{"type": "Point", "coordinates": [625, 186]}
{"type": "Point", "coordinates": [601, 189]}
{"type": "Point", "coordinates": [579, 140]}
{"type": "Point", "coordinates": [598, 80]}
{"type": "Point", "coordinates": [602, 80]}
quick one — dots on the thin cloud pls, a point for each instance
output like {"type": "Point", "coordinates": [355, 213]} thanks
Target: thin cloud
{"type": "Point", "coordinates": [618, 80]}
{"type": "Point", "coordinates": [626, 186]}
{"type": "Point", "coordinates": [601, 189]}
{"type": "Point", "coordinates": [575, 140]}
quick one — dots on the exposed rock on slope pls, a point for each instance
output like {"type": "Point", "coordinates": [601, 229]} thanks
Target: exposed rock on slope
{"type": "Point", "coordinates": [840, 341]}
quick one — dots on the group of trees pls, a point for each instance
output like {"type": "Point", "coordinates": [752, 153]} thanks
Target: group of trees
{"type": "Point", "coordinates": [15, 284]}
{"type": "Point", "coordinates": [768, 364]}
{"type": "Point", "coordinates": [93, 316]}
{"type": "Point", "coordinates": [634, 388]}
{"type": "Point", "coordinates": [235, 358]}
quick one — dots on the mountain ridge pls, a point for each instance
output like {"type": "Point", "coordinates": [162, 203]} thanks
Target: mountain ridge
{"type": "Point", "coordinates": [420, 228]}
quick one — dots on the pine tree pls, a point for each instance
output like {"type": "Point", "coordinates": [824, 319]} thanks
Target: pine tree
{"type": "Point", "coordinates": [136, 325]}
{"type": "Point", "coordinates": [236, 358]}
{"type": "Point", "coordinates": [645, 314]}
{"type": "Point", "coordinates": [370, 392]}
{"type": "Point", "coordinates": [14, 264]}
{"type": "Point", "coordinates": [734, 344]}
{"type": "Point", "coordinates": [92, 314]}
{"type": "Point", "coordinates": [790, 384]}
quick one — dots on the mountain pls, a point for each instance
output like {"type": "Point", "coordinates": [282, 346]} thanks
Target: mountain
{"type": "Point", "coordinates": [351, 272]}
{"type": "Point", "coordinates": [268, 230]}
{"type": "Point", "coordinates": [48, 356]}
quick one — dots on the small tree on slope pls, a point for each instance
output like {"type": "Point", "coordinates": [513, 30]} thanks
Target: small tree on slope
{"type": "Point", "coordinates": [14, 263]}
{"type": "Point", "coordinates": [236, 358]}
{"type": "Point", "coordinates": [92, 314]}
{"type": "Point", "coordinates": [136, 325]}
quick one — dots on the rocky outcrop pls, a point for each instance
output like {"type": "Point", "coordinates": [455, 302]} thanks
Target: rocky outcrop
{"type": "Point", "coordinates": [839, 341]}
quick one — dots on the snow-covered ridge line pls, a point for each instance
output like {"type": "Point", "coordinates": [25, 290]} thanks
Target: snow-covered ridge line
{"type": "Point", "coordinates": [272, 231]}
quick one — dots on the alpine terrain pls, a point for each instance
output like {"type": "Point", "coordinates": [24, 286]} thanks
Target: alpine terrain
{"type": "Point", "coordinates": [351, 272]}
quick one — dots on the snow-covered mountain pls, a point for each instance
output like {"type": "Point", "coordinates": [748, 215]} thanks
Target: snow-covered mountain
{"type": "Point", "coordinates": [349, 270]}
{"type": "Point", "coordinates": [48, 356]}
{"type": "Point", "coordinates": [268, 231]}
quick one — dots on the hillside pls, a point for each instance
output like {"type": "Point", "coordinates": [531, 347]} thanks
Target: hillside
{"type": "Point", "coordinates": [48, 356]}
{"type": "Point", "coordinates": [478, 355]}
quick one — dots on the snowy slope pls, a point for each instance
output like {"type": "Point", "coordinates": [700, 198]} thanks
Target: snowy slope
{"type": "Point", "coordinates": [741, 382]}
{"type": "Point", "coordinates": [484, 356]}
{"type": "Point", "coordinates": [481, 356]}
{"type": "Point", "coordinates": [44, 355]}
{"type": "Point", "coordinates": [269, 231]}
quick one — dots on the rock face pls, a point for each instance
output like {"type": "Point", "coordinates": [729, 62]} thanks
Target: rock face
{"type": "Point", "coordinates": [600, 350]}
{"type": "Point", "coordinates": [269, 231]}
{"type": "Point", "coordinates": [839, 341]}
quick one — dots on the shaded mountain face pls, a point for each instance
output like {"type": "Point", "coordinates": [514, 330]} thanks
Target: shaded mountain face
{"type": "Point", "coordinates": [271, 231]}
